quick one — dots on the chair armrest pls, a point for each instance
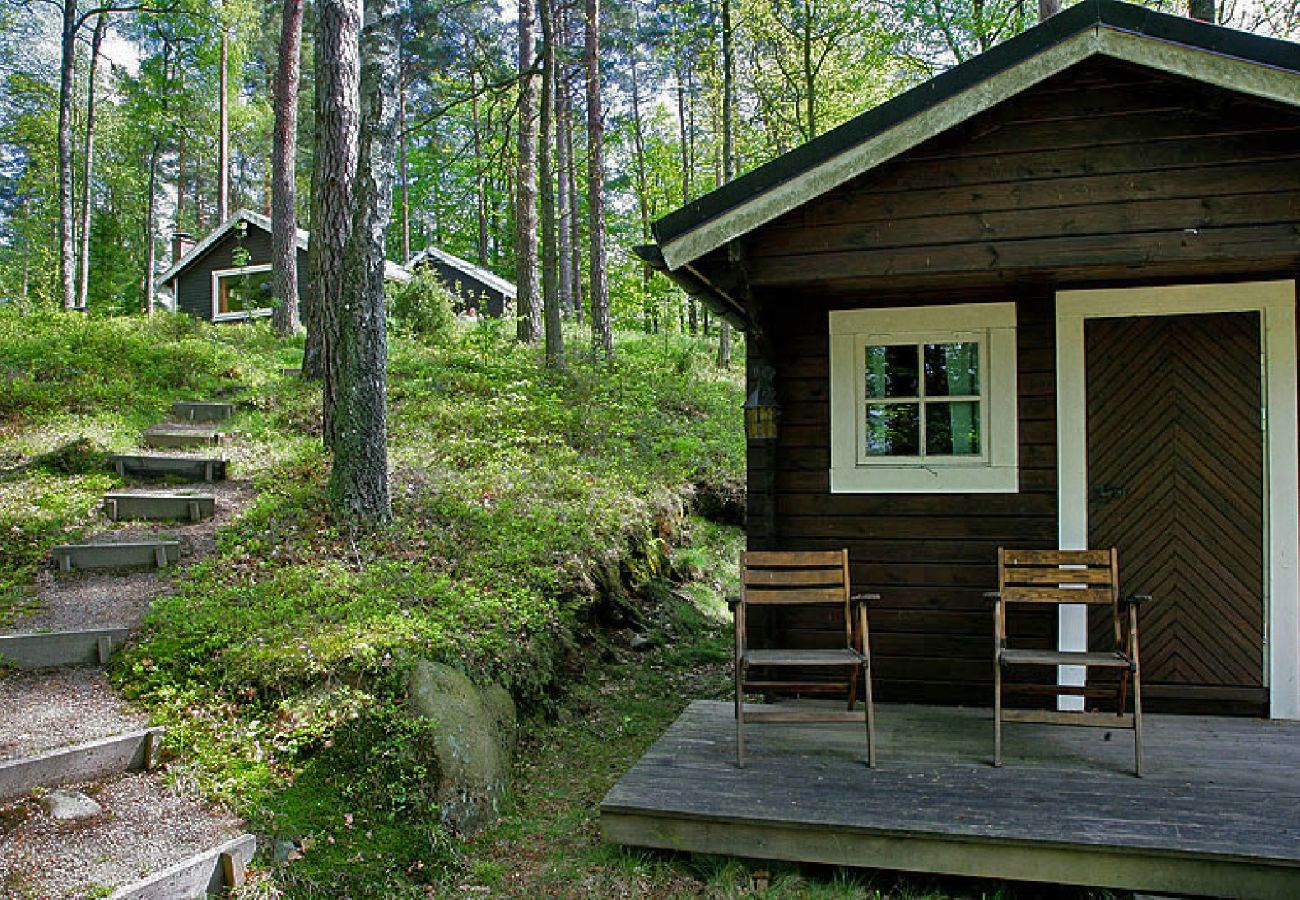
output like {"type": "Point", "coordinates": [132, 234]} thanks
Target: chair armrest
{"type": "Point", "coordinates": [864, 598]}
{"type": "Point", "coordinates": [992, 596]}
{"type": "Point", "coordinates": [1135, 600]}
{"type": "Point", "coordinates": [732, 603]}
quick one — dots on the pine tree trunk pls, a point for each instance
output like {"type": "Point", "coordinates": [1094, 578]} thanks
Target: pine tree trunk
{"type": "Point", "coordinates": [88, 161]}
{"type": "Point", "coordinates": [602, 336]}
{"type": "Point", "coordinates": [223, 139]}
{"type": "Point", "coordinates": [359, 478]}
{"type": "Point", "coordinates": [480, 181]}
{"type": "Point", "coordinates": [1201, 9]}
{"type": "Point", "coordinates": [150, 232]}
{"type": "Point", "coordinates": [546, 179]}
{"type": "Point", "coordinates": [338, 26]}
{"type": "Point", "coordinates": [575, 218]}
{"type": "Point", "coordinates": [67, 61]}
{"type": "Point", "coordinates": [728, 146]}
{"type": "Point", "coordinates": [1047, 9]}
{"type": "Point", "coordinates": [403, 173]}
{"type": "Point", "coordinates": [284, 150]}
{"type": "Point", "coordinates": [563, 200]}
{"type": "Point", "coordinates": [528, 305]}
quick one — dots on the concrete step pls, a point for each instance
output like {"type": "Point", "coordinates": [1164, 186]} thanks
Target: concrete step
{"type": "Point", "coordinates": [117, 556]}
{"type": "Point", "coordinates": [159, 505]}
{"type": "Point", "coordinates": [78, 763]}
{"type": "Point", "coordinates": [190, 468]}
{"type": "Point", "coordinates": [174, 436]}
{"type": "Point", "coordinates": [203, 410]}
{"type": "Point", "coordinates": [40, 650]}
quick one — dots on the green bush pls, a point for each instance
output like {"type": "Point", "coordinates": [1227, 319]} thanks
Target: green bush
{"type": "Point", "coordinates": [423, 307]}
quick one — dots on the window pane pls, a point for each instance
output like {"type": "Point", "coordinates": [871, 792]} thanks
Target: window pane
{"type": "Point", "coordinates": [892, 371]}
{"type": "Point", "coordinates": [893, 429]}
{"type": "Point", "coordinates": [242, 293]}
{"type": "Point", "coordinates": [952, 429]}
{"type": "Point", "coordinates": [952, 369]}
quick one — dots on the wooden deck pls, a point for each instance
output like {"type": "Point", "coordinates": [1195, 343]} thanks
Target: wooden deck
{"type": "Point", "coordinates": [1218, 812]}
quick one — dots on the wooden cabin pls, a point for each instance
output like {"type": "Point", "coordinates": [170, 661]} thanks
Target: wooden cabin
{"type": "Point", "coordinates": [478, 291]}
{"type": "Point", "coordinates": [226, 277]}
{"type": "Point", "coordinates": [1044, 299]}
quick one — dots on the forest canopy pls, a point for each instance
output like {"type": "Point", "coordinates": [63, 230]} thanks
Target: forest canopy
{"type": "Point", "coordinates": [797, 68]}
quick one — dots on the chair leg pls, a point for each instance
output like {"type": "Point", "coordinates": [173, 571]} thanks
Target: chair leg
{"type": "Point", "coordinates": [1137, 720]}
{"type": "Point", "coordinates": [740, 715]}
{"type": "Point", "coordinates": [870, 716]}
{"type": "Point", "coordinates": [855, 673]}
{"type": "Point", "coordinates": [997, 713]}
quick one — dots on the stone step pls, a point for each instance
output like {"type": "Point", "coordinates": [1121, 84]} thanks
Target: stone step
{"type": "Point", "coordinates": [78, 763]}
{"type": "Point", "coordinates": [212, 872]}
{"type": "Point", "coordinates": [181, 436]}
{"type": "Point", "coordinates": [91, 647]}
{"type": "Point", "coordinates": [159, 505]}
{"type": "Point", "coordinates": [203, 410]}
{"type": "Point", "coordinates": [190, 468]}
{"type": "Point", "coordinates": [291, 371]}
{"type": "Point", "coordinates": [116, 556]}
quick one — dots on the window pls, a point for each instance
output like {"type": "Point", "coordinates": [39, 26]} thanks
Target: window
{"type": "Point", "coordinates": [242, 293]}
{"type": "Point", "coordinates": [924, 399]}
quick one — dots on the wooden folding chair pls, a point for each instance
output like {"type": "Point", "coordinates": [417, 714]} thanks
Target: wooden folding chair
{"type": "Point", "coordinates": [1057, 578]}
{"type": "Point", "coordinates": [802, 579]}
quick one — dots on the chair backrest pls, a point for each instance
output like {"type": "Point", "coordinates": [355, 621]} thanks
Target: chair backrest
{"type": "Point", "coordinates": [1058, 576]}
{"type": "Point", "coordinates": [794, 578]}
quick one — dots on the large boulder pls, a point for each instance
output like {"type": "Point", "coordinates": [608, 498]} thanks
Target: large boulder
{"type": "Point", "coordinates": [474, 743]}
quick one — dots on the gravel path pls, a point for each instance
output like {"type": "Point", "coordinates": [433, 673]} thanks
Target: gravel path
{"type": "Point", "coordinates": [54, 708]}
{"type": "Point", "coordinates": [98, 599]}
{"type": "Point", "coordinates": [145, 828]}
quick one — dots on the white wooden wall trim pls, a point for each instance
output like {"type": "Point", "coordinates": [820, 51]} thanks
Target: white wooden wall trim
{"type": "Point", "coordinates": [1275, 301]}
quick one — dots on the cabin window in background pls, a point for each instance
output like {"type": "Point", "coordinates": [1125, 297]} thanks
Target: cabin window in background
{"type": "Point", "coordinates": [242, 293]}
{"type": "Point", "coordinates": [924, 399]}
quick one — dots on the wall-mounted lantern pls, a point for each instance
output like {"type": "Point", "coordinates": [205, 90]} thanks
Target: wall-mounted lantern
{"type": "Point", "coordinates": [762, 414]}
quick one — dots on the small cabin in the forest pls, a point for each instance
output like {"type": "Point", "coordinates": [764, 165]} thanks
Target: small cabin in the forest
{"type": "Point", "coordinates": [479, 291]}
{"type": "Point", "coordinates": [1045, 299]}
{"type": "Point", "coordinates": [227, 275]}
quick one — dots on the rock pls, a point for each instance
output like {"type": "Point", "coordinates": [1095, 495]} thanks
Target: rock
{"type": "Point", "coordinates": [640, 642]}
{"type": "Point", "coordinates": [70, 806]}
{"type": "Point", "coordinates": [474, 743]}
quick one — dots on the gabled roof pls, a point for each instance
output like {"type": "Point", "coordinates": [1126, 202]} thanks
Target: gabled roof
{"type": "Point", "coordinates": [478, 273]}
{"type": "Point", "coordinates": [1247, 63]}
{"type": "Point", "coordinates": [392, 270]}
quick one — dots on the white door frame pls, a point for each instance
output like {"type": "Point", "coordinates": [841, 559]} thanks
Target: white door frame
{"type": "Point", "coordinates": [1275, 301]}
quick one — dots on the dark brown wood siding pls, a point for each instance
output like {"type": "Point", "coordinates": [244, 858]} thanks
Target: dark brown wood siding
{"type": "Point", "coordinates": [1105, 175]}
{"type": "Point", "coordinates": [194, 285]}
{"type": "Point", "coordinates": [1106, 171]}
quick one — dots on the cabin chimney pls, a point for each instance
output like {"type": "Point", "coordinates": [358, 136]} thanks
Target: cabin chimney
{"type": "Point", "coordinates": [182, 243]}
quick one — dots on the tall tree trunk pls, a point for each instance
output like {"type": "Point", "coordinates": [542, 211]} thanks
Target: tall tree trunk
{"type": "Point", "coordinates": [575, 219]}
{"type": "Point", "coordinates": [528, 307]}
{"type": "Point", "coordinates": [1047, 9]}
{"type": "Point", "coordinates": [403, 174]}
{"type": "Point", "coordinates": [809, 73]}
{"type": "Point", "coordinates": [223, 139]}
{"type": "Point", "coordinates": [728, 146]}
{"type": "Point", "coordinates": [546, 179]}
{"type": "Point", "coordinates": [602, 336]}
{"type": "Point", "coordinates": [638, 141]}
{"type": "Point", "coordinates": [284, 151]}
{"type": "Point", "coordinates": [480, 179]}
{"type": "Point", "coordinates": [1201, 9]}
{"type": "Point", "coordinates": [563, 199]}
{"type": "Point", "coordinates": [338, 27]}
{"type": "Point", "coordinates": [88, 161]}
{"type": "Point", "coordinates": [151, 231]}
{"type": "Point", "coordinates": [359, 478]}
{"type": "Point", "coordinates": [67, 61]}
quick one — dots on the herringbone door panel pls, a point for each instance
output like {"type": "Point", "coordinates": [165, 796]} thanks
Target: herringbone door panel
{"type": "Point", "coordinates": [1175, 458]}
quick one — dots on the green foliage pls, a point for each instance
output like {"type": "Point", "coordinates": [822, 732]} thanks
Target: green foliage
{"type": "Point", "coordinates": [423, 307]}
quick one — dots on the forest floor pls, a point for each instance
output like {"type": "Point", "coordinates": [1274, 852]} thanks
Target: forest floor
{"type": "Point", "coordinates": [543, 538]}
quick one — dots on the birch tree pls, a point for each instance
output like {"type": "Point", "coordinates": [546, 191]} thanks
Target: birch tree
{"type": "Point", "coordinates": [602, 336]}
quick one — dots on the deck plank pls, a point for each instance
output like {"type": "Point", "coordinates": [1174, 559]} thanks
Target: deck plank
{"type": "Point", "coordinates": [1219, 793]}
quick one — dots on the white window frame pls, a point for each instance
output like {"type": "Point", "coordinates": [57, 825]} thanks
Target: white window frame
{"type": "Point", "coordinates": [217, 275]}
{"type": "Point", "coordinates": [995, 469]}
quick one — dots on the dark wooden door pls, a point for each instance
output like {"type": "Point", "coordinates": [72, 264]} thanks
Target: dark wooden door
{"type": "Point", "coordinates": [1175, 478]}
